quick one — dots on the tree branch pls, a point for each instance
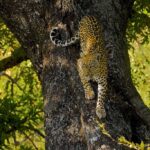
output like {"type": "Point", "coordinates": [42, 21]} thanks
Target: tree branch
{"type": "Point", "coordinates": [12, 80]}
{"type": "Point", "coordinates": [17, 57]}
{"type": "Point", "coordinates": [30, 139]}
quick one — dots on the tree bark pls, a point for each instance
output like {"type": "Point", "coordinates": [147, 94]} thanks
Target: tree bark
{"type": "Point", "coordinates": [70, 121]}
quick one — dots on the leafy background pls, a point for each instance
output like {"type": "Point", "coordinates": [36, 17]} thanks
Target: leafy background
{"type": "Point", "coordinates": [21, 102]}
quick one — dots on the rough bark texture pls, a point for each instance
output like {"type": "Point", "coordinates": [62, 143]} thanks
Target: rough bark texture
{"type": "Point", "coordinates": [70, 121]}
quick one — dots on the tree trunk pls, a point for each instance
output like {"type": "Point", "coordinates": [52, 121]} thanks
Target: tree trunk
{"type": "Point", "coordinates": [70, 121]}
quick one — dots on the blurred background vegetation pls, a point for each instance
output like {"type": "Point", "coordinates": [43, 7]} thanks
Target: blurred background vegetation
{"type": "Point", "coordinates": [138, 39]}
{"type": "Point", "coordinates": [21, 102]}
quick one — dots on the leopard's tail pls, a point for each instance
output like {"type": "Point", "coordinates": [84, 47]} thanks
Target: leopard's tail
{"type": "Point", "coordinates": [55, 38]}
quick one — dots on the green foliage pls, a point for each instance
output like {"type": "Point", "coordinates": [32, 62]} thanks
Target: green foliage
{"type": "Point", "coordinates": [7, 41]}
{"type": "Point", "coordinates": [132, 145]}
{"type": "Point", "coordinates": [139, 24]}
{"type": "Point", "coordinates": [140, 62]}
{"type": "Point", "coordinates": [138, 32]}
{"type": "Point", "coordinates": [26, 147]}
{"type": "Point", "coordinates": [21, 102]}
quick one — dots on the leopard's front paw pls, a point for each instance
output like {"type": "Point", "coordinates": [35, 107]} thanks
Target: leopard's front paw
{"type": "Point", "coordinates": [89, 95]}
{"type": "Point", "coordinates": [100, 112]}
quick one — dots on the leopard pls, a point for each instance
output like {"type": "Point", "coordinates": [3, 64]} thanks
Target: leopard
{"type": "Point", "coordinates": [92, 64]}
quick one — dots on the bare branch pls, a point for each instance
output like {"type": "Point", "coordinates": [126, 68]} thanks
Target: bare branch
{"type": "Point", "coordinates": [12, 80]}
{"type": "Point", "coordinates": [31, 127]}
{"type": "Point", "coordinates": [30, 139]}
{"type": "Point", "coordinates": [17, 57]}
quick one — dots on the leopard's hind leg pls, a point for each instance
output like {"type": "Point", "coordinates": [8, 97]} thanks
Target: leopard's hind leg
{"type": "Point", "coordinates": [100, 107]}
